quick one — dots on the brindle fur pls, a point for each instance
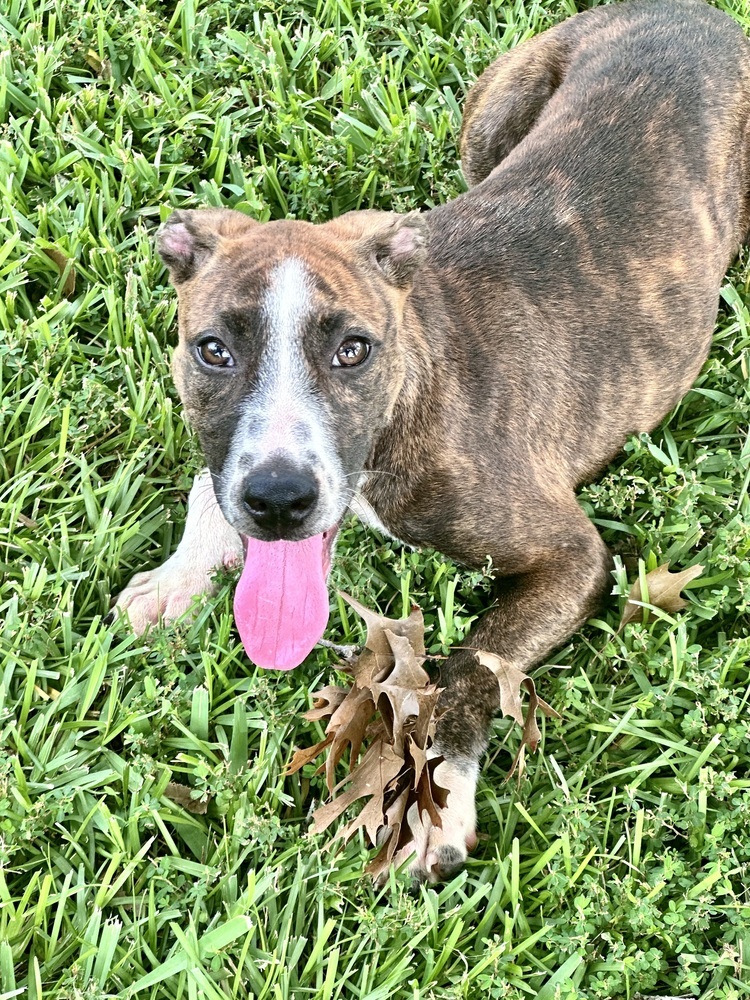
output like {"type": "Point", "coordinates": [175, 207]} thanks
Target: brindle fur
{"type": "Point", "coordinates": [564, 302]}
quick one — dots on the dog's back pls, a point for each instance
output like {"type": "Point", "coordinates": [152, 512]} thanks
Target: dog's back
{"type": "Point", "coordinates": [607, 156]}
{"type": "Point", "coordinates": [659, 47]}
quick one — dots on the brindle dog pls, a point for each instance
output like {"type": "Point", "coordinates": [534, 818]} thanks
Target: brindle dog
{"type": "Point", "coordinates": [488, 356]}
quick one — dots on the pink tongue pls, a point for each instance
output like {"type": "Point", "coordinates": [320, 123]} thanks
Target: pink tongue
{"type": "Point", "coordinates": [281, 601]}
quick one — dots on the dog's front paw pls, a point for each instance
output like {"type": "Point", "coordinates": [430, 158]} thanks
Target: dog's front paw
{"type": "Point", "coordinates": [439, 852]}
{"type": "Point", "coordinates": [167, 592]}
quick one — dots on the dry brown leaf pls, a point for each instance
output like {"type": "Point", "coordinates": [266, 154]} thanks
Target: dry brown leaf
{"type": "Point", "coordinates": [348, 724]}
{"type": "Point", "coordinates": [394, 775]}
{"type": "Point", "coordinates": [407, 671]}
{"type": "Point", "coordinates": [410, 828]}
{"type": "Point", "coordinates": [377, 768]}
{"type": "Point", "coordinates": [306, 756]}
{"type": "Point", "coordinates": [405, 825]}
{"type": "Point", "coordinates": [327, 700]}
{"type": "Point", "coordinates": [510, 680]}
{"type": "Point", "coordinates": [663, 592]}
{"type": "Point", "coordinates": [431, 797]}
{"type": "Point", "coordinates": [372, 819]}
{"type": "Point", "coordinates": [351, 714]}
{"type": "Point", "coordinates": [404, 687]}
{"type": "Point", "coordinates": [392, 703]}
{"type": "Point", "coordinates": [411, 628]}
{"type": "Point", "coordinates": [181, 794]}
{"type": "Point", "coordinates": [424, 727]}
{"type": "Point", "coordinates": [368, 667]}
{"type": "Point", "coordinates": [530, 735]}
{"type": "Point", "coordinates": [394, 823]}
{"type": "Point", "coordinates": [63, 264]}
{"type": "Point", "coordinates": [418, 757]}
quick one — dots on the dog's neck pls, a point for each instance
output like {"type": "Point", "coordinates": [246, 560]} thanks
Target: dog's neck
{"type": "Point", "coordinates": [406, 447]}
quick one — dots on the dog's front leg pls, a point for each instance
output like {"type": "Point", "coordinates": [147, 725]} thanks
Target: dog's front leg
{"type": "Point", "coordinates": [208, 543]}
{"type": "Point", "coordinates": [535, 613]}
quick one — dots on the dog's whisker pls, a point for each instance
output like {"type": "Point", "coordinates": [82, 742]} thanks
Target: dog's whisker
{"type": "Point", "coordinates": [371, 472]}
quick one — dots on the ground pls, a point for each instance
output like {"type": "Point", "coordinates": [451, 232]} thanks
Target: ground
{"type": "Point", "coordinates": [619, 865]}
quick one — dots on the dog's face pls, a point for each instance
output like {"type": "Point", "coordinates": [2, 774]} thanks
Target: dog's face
{"type": "Point", "coordinates": [289, 360]}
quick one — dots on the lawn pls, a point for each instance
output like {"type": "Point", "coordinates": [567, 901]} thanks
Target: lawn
{"type": "Point", "coordinates": [620, 863]}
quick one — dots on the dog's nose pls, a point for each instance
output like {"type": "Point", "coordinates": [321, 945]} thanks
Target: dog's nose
{"type": "Point", "coordinates": [280, 499]}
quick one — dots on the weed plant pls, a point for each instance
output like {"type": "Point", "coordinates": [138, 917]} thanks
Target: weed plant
{"type": "Point", "coordinates": [620, 864]}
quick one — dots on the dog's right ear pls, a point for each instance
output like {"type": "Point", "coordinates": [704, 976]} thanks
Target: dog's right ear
{"type": "Point", "coordinates": [190, 236]}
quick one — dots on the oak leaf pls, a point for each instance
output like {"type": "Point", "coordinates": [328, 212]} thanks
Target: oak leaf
{"type": "Point", "coordinates": [510, 680]}
{"type": "Point", "coordinates": [327, 700]}
{"type": "Point", "coordinates": [307, 755]}
{"type": "Point", "coordinates": [348, 725]}
{"type": "Point", "coordinates": [530, 735]}
{"type": "Point", "coordinates": [402, 691]}
{"type": "Point", "coordinates": [372, 819]}
{"type": "Point", "coordinates": [392, 704]}
{"type": "Point", "coordinates": [411, 628]}
{"type": "Point", "coordinates": [431, 797]}
{"type": "Point", "coordinates": [663, 592]}
{"type": "Point", "coordinates": [378, 767]}
{"type": "Point", "coordinates": [396, 833]}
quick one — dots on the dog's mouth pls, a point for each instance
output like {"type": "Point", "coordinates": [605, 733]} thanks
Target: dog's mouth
{"type": "Point", "coordinates": [281, 601]}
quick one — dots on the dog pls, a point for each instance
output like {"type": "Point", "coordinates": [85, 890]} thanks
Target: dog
{"type": "Point", "coordinates": [455, 375]}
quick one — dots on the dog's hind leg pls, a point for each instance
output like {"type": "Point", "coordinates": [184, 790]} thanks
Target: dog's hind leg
{"type": "Point", "coordinates": [208, 543]}
{"type": "Point", "coordinates": [535, 611]}
{"type": "Point", "coordinates": [503, 105]}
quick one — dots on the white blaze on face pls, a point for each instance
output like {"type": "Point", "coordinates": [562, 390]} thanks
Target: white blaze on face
{"type": "Point", "coordinates": [282, 420]}
{"type": "Point", "coordinates": [283, 396]}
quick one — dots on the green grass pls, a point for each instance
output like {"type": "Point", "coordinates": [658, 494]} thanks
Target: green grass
{"type": "Point", "coordinates": [619, 866]}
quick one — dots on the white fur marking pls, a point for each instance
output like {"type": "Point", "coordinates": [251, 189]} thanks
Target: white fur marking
{"type": "Point", "coordinates": [366, 513]}
{"type": "Point", "coordinates": [283, 420]}
{"type": "Point", "coordinates": [284, 384]}
{"type": "Point", "coordinates": [208, 542]}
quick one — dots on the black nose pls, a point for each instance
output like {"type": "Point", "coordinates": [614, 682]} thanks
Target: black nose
{"type": "Point", "coordinates": [280, 498]}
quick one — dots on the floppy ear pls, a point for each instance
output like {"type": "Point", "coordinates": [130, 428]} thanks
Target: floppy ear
{"type": "Point", "coordinates": [399, 248]}
{"type": "Point", "coordinates": [190, 236]}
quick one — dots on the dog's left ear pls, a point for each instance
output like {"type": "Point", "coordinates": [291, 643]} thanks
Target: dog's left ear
{"type": "Point", "coordinates": [399, 248]}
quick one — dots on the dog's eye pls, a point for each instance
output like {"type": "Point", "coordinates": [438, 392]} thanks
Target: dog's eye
{"type": "Point", "coordinates": [212, 352]}
{"type": "Point", "coordinates": [352, 351]}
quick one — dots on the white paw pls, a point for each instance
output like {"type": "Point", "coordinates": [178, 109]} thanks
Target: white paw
{"type": "Point", "coordinates": [208, 544]}
{"type": "Point", "coordinates": [439, 852]}
{"type": "Point", "coordinates": [165, 593]}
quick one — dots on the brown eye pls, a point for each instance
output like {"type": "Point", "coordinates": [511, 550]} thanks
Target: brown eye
{"type": "Point", "coordinates": [352, 351]}
{"type": "Point", "coordinates": [214, 353]}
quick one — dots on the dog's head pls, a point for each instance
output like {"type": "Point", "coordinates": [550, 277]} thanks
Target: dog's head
{"type": "Point", "coordinates": [289, 361]}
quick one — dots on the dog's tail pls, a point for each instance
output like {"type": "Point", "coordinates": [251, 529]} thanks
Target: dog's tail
{"type": "Point", "coordinates": [507, 100]}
